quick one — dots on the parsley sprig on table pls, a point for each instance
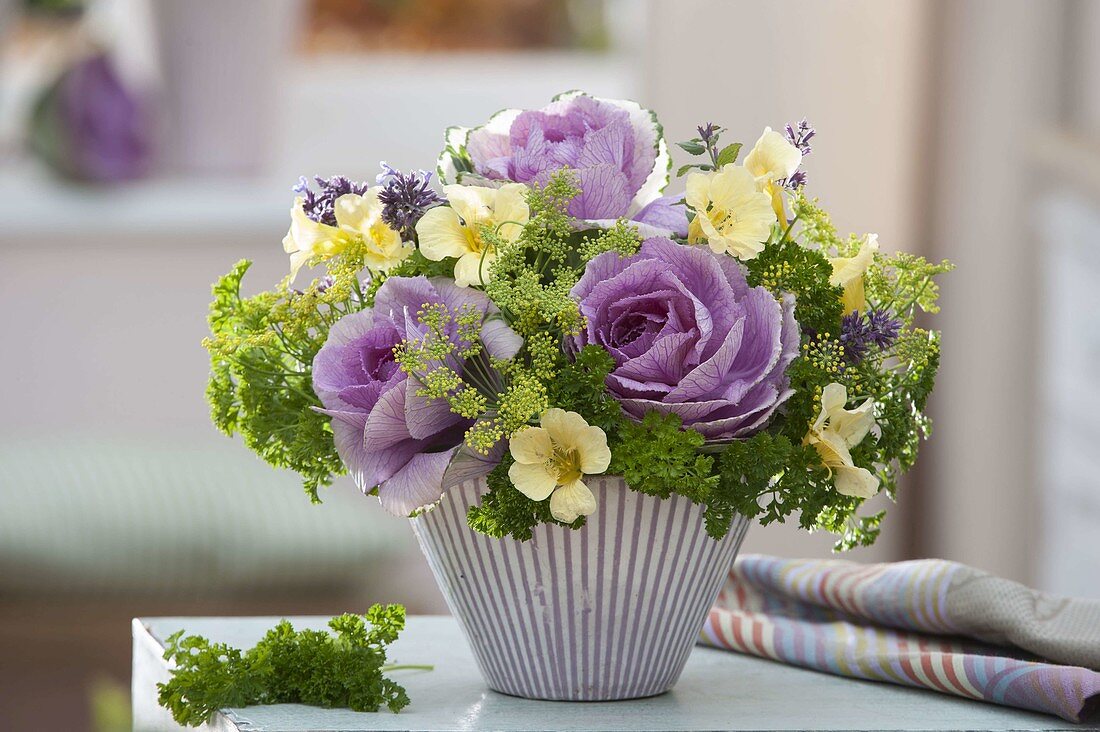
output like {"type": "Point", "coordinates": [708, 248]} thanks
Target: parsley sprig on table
{"type": "Point", "coordinates": [344, 668]}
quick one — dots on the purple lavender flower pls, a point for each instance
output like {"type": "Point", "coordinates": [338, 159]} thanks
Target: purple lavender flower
{"type": "Point", "coordinates": [883, 328]}
{"type": "Point", "coordinates": [797, 180]}
{"type": "Point", "coordinates": [386, 435]}
{"type": "Point", "coordinates": [800, 137]}
{"type": "Point", "coordinates": [405, 197]}
{"type": "Point", "coordinates": [854, 336]}
{"type": "Point", "coordinates": [860, 331]}
{"type": "Point", "coordinates": [615, 149]}
{"type": "Point", "coordinates": [319, 205]}
{"type": "Point", "coordinates": [689, 336]}
{"type": "Point", "coordinates": [707, 131]}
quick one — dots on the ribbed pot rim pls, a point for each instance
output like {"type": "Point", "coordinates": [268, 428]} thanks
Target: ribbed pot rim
{"type": "Point", "coordinates": [609, 611]}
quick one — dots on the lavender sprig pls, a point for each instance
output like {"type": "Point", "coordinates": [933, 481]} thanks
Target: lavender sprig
{"type": "Point", "coordinates": [860, 331]}
{"type": "Point", "coordinates": [800, 137]}
{"type": "Point", "coordinates": [405, 198]}
{"type": "Point", "coordinates": [320, 205]}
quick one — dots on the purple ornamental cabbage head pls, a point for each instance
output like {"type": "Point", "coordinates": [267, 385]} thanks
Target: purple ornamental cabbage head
{"type": "Point", "coordinates": [90, 125]}
{"type": "Point", "coordinates": [385, 434]}
{"type": "Point", "coordinates": [689, 336]}
{"type": "Point", "coordinates": [616, 148]}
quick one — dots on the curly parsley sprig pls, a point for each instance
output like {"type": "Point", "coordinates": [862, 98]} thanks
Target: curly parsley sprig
{"type": "Point", "coordinates": [344, 668]}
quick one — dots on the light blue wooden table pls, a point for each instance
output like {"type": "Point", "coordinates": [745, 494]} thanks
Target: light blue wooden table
{"type": "Point", "coordinates": [718, 691]}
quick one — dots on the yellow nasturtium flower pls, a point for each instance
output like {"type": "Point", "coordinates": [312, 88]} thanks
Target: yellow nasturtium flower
{"type": "Point", "coordinates": [358, 218]}
{"type": "Point", "coordinates": [848, 273]}
{"type": "Point", "coordinates": [552, 459]}
{"type": "Point", "coordinates": [835, 432]}
{"type": "Point", "coordinates": [731, 215]}
{"type": "Point", "coordinates": [457, 230]}
{"type": "Point", "coordinates": [773, 158]}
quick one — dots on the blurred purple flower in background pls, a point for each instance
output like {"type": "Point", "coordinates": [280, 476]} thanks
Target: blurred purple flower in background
{"type": "Point", "coordinates": [386, 435]}
{"type": "Point", "coordinates": [90, 126]}
{"type": "Point", "coordinates": [689, 336]}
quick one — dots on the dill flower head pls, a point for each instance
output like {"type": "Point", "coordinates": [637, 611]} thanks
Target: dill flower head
{"type": "Point", "coordinates": [320, 206]}
{"type": "Point", "coordinates": [405, 197]}
{"type": "Point", "coordinates": [389, 432]}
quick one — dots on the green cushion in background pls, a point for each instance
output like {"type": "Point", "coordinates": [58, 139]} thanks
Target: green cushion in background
{"type": "Point", "coordinates": [113, 516]}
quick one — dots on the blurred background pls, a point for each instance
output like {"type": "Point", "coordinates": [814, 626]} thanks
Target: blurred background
{"type": "Point", "coordinates": [146, 145]}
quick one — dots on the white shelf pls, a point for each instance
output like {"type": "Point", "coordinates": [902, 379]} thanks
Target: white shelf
{"type": "Point", "coordinates": [33, 203]}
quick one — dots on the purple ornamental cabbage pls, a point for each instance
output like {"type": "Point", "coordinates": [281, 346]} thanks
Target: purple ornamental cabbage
{"type": "Point", "coordinates": [616, 148]}
{"type": "Point", "coordinates": [689, 336]}
{"type": "Point", "coordinates": [91, 126]}
{"type": "Point", "coordinates": [385, 434]}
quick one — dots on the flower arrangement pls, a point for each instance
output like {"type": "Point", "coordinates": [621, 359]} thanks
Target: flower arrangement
{"type": "Point", "coordinates": [549, 313]}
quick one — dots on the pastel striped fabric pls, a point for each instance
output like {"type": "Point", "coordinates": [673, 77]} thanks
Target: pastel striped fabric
{"type": "Point", "coordinates": [888, 622]}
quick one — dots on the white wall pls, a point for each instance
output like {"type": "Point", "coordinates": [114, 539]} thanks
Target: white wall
{"type": "Point", "coordinates": [999, 90]}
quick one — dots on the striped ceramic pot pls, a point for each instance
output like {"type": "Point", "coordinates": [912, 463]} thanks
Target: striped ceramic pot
{"type": "Point", "coordinates": [607, 612]}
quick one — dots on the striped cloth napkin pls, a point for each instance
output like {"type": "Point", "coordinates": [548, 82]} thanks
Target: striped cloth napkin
{"type": "Point", "coordinates": [928, 623]}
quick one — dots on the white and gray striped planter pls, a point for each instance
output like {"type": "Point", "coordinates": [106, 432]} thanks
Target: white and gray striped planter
{"type": "Point", "coordinates": [607, 612]}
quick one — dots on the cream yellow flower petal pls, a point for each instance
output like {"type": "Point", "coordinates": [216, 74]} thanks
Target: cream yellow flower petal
{"type": "Point", "coordinates": [731, 215]}
{"type": "Point", "coordinates": [510, 204]}
{"type": "Point", "coordinates": [472, 268]}
{"type": "Point", "coordinates": [472, 203]}
{"type": "Point", "coordinates": [307, 239]}
{"type": "Point", "coordinates": [729, 185]}
{"type": "Point", "coordinates": [857, 482]}
{"type": "Point", "coordinates": [571, 501]}
{"type": "Point", "coordinates": [361, 216]}
{"type": "Point", "coordinates": [772, 158]}
{"type": "Point", "coordinates": [749, 227]}
{"type": "Point", "coordinates": [355, 213]}
{"type": "Point", "coordinates": [854, 298]}
{"type": "Point", "coordinates": [385, 249]}
{"type": "Point", "coordinates": [567, 429]}
{"type": "Point", "coordinates": [592, 451]}
{"type": "Point", "coordinates": [458, 231]}
{"type": "Point", "coordinates": [552, 459]}
{"type": "Point", "coordinates": [850, 425]}
{"type": "Point", "coordinates": [833, 398]}
{"type": "Point", "coordinates": [848, 273]}
{"type": "Point", "coordinates": [531, 446]}
{"type": "Point", "coordinates": [853, 424]}
{"type": "Point", "coordinates": [698, 191]}
{"type": "Point", "coordinates": [846, 269]}
{"type": "Point", "coordinates": [837, 429]}
{"type": "Point", "coordinates": [441, 234]}
{"type": "Point", "coordinates": [833, 450]}
{"type": "Point", "coordinates": [534, 481]}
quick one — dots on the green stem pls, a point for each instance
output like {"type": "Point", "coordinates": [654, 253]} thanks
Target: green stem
{"type": "Point", "coordinates": [484, 374]}
{"type": "Point", "coordinates": [408, 667]}
{"type": "Point", "coordinates": [787, 233]}
{"type": "Point", "coordinates": [359, 289]}
{"type": "Point", "coordinates": [913, 301]}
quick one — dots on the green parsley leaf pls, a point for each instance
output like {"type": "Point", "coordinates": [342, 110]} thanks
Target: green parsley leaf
{"type": "Point", "coordinates": [344, 668]}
